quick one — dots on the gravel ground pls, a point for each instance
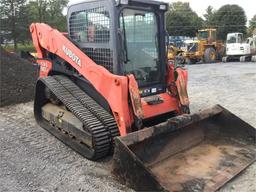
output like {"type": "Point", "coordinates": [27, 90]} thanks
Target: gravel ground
{"type": "Point", "coordinates": [33, 160]}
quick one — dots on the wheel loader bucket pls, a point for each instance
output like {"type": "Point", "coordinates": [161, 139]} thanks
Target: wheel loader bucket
{"type": "Point", "coordinates": [197, 152]}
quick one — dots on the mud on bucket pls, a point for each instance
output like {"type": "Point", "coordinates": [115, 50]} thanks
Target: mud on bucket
{"type": "Point", "coordinates": [198, 152]}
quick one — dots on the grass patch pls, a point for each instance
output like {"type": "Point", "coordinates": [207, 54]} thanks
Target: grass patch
{"type": "Point", "coordinates": [20, 47]}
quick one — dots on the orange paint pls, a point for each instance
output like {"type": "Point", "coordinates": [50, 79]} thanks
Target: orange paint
{"type": "Point", "coordinates": [114, 88]}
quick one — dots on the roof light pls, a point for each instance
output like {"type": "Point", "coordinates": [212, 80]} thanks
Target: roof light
{"type": "Point", "coordinates": [162, 7]}
{"type": "Point", "coordinates": [125, 2]}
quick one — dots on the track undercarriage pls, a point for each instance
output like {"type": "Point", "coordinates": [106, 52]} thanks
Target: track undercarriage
{"type": "Point", "coordinates": [73, 117]}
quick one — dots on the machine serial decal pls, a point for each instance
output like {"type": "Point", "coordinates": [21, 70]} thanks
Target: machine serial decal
{"type": "Point", "coordinates": [71, 55]}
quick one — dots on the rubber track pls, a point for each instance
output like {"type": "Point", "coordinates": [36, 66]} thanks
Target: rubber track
{"type": "Point", "coordinates": [101, 137]}
{"type": "Point", "coordinates": [107, 119]}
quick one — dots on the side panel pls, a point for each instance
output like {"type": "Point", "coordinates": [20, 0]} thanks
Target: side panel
{"type": "Point", "coordinates": [169, 104]}
{"type": "Point", "coordinates": [45, 67]}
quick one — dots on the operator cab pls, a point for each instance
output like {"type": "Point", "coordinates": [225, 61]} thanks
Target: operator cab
{"type": "Point", "coordinates": [124, 36]}
{"type": "Point", "coordinates": [235, 38]}
{"type": "Point", "coordinates": [207, 34]}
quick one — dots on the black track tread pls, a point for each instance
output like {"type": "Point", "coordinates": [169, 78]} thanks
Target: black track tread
{"type": "Point", "coordinates": [100, 135]}
{"type": "Point", "coordinates": [106, 118]}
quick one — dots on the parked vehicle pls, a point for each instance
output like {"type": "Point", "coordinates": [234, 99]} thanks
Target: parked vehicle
{"type": "Point", "coordinates": [239, 49]}
{"type": "Point", "coordinates": [206, 48]}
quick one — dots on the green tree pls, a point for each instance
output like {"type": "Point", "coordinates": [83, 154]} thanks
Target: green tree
{"type": "Point", "coordinates": [209, 17]}
{"type": "Point", "coordinates": [230, 18]}
{"type": "Point", "coordinates": [38, 10]}
{"type": "Point", "coordinates": [252, 24]}
{"type": "Point", "coordinates": [17, 15]}
{"type": "Point", "coordinates": [48, 11]}
{"type": "Point", "coordinates": [56, 18]}
{"type": "Point", "coordinates": [181, 20]}
{"type": "Point", "coordinates": [13, 15]}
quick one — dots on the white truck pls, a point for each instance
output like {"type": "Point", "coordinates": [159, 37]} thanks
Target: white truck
{"type": "Point", "coordinates": [238, 49]}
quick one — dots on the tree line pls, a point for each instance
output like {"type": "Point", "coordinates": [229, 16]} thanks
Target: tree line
{"type": "Point", "coordinates": [17, 15]}
{"type": "Point", "coordinates": [181, 20]}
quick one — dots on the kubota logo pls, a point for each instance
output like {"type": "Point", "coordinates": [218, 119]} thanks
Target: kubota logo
{"type": "Point", "coordinates": [71, 55]}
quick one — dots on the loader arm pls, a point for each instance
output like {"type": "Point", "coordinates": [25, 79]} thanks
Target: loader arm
{"type": "Point", "coordinates": [115, 89]}
{"type": "Point", "coordinates": [112, 87]}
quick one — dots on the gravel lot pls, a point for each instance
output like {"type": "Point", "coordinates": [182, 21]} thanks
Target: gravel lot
{"type": "Point", "coordinates": [33, 160]}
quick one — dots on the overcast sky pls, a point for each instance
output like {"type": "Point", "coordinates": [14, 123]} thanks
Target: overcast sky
{"type": "Point", "coordinates": [200, 5]}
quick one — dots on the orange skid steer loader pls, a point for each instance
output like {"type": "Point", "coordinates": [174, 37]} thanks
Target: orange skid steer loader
{"type": "Point", "coordinates": [106, 87]}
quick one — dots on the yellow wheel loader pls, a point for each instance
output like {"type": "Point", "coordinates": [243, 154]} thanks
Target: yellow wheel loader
{"type": "Point", "coordinates": [174, 53]}
{"type": "Point", "coordinates": [206, 48]}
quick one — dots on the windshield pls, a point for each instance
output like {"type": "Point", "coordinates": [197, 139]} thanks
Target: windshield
{"type": "Point", "coordinates": [203, 35]}
{"type": "Point", "coordinates": [235, 38]}
{"type": "Point", "coordinates": [139, 29]}
{"type": "Point", "coordinates": [192, 47]}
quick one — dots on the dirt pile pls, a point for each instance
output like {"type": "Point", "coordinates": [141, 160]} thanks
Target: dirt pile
{"type": "Point", "coordinates": [17, 79]}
